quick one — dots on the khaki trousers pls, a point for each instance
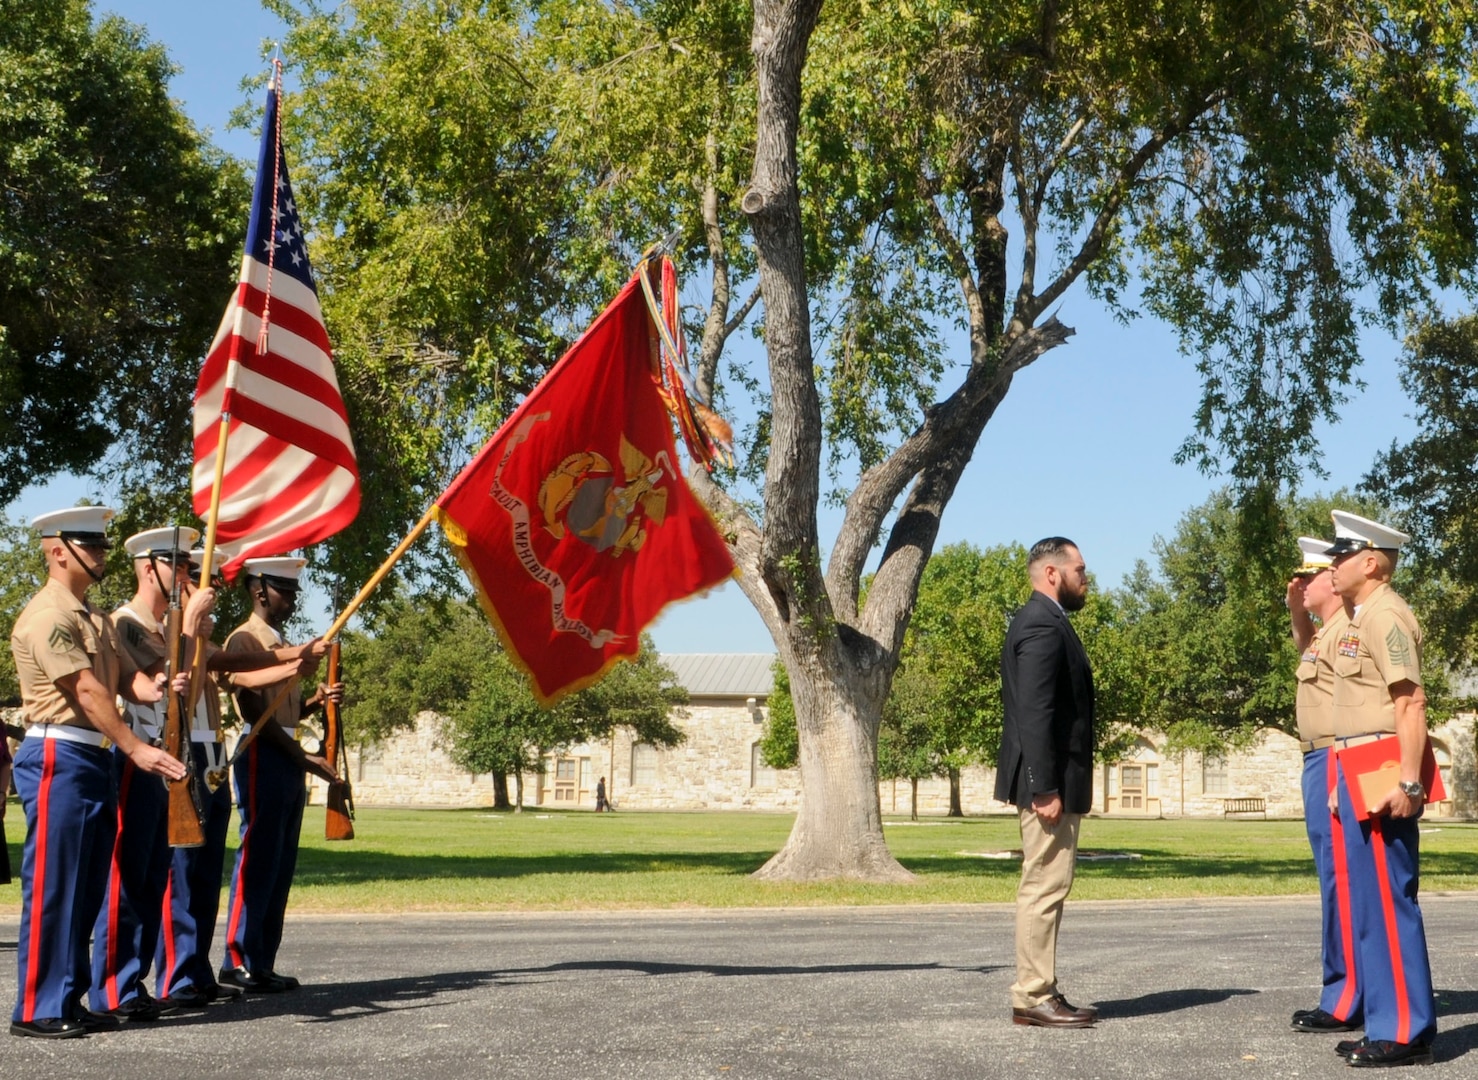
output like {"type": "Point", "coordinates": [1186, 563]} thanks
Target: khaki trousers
{"type": "Point", "coordinates": [1048, 859]}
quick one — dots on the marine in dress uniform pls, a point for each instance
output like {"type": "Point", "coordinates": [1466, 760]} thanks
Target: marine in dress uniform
{"type": "Point", "coordinates": [192, 897]}
{"type": "Point", "coordinates": [270, 789]}
{"type": "Point", "coordinates": [1377, 693]}
{"type": "Point", "coordinates": [1311, 595]}
{"type": "Point", "coordinates": [127, 930]}
{"type": "Point", "coordinates": [70, 669]}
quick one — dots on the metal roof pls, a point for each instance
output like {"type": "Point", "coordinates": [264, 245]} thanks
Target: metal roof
{"type": "Point", "coordinates": [724, 674]}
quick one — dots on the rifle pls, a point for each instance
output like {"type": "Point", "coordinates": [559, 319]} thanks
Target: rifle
{"type": "Point", "coordinates": [338, 822]}
{"type": "Point", "coordinates": [186, 822]}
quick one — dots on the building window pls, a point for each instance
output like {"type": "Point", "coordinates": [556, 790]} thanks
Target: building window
{"type": "Point", "coordinates": [1138, 777]}
{"type": "Point", "coordinates": [760, 774]}
{"type": "Point", "coordinates": [566, 774]}
{"type": "Point", "coordinates": [1214, 776]}
{"type": "Point", "coordinates": [1131, 787]}
{"type": "Point", "coordinates": [643, 764]}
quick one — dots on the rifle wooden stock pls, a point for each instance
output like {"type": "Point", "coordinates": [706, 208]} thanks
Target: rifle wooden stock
{"type": "Point", "coordinates": [338, 821]}
{"type": "Point", "coordinates": [186, 818]}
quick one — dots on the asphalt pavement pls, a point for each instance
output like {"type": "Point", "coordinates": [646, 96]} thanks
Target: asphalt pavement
{"type": "Point", "coordinates": [1189, 989]}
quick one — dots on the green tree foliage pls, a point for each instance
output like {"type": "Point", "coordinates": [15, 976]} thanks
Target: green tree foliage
{"type": "Point", "coordinates": [1210, 631]}
{"type": "Point", "coordinates": [120, 227]}
{"type": "Point", "coordinates": [944, 712]}
{"type": "Point", "coordinates": [422, 653]}
{"type": "Point", "coordinates": [1255, 170]}
{"type": "Point", "coordinates": [1433, 479]}
{"type": "Point", "coordinates": [421, 136]}
{"type": "Point", "coordinates": [780, 745]}
{"type": "Point", "coordinates": [22, 572]}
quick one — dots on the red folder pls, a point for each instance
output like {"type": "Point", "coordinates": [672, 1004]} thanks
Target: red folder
{"type": "Point", "coordinates": [1373, 770]}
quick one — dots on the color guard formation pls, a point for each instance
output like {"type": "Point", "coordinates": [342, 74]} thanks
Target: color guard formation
{"type": "Point", "coordinates": [104, 898]}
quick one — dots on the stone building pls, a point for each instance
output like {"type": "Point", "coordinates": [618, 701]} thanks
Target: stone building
{"type": "Point", "coordinates": [718, 766]}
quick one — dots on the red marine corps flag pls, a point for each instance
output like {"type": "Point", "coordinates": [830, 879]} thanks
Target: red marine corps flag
{"type": "Point", "coordinates": [268, 404]}
{"type": "Point", "coordinates": [574, 522]}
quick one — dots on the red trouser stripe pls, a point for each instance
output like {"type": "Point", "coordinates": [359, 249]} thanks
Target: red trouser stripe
{"type": "Point", "coordinates": [166, 931]}
{"type": "Point", "coordinates": [1393, 939]}
{"type": "Point", "coordinates": [115, 888]}
{"type": "Point", "coordinates": [1346, 1004]}
{"type": "Point", "coordinates": [239, 900]}
{"type": "Point", "coordinates": [38, 883]}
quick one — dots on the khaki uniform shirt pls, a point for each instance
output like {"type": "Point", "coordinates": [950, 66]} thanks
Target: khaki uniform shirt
{"type": "Point", "coordinates": [142, 638]}
{"type": "Point", "coordinates": [1315, 701]}
{"type": "Point", "coordinates": [58, 635]}
{"type": "Point", "coordinates": [256, 635]}
{"type": "Point", "coordinates": [1379, 647]}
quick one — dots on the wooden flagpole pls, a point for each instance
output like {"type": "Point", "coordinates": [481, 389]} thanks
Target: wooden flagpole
{"type": "Point", "coordinates": [341, 621]}
{"type": "Point", "coordinates": [197, 665]}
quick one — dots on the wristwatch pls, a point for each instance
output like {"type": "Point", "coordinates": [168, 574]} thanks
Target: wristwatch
{"type": "Point", "coordinates": [1413, 789]}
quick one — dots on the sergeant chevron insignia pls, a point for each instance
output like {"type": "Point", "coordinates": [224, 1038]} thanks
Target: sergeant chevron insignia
{"type": "Point", "coordinates": [1399, 647]}
{"type": "Point", "coordinates": [60, 639]}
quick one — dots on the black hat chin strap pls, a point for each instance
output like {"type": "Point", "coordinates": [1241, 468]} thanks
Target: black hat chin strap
{"type": "Point", "coordinates": [96, 575]}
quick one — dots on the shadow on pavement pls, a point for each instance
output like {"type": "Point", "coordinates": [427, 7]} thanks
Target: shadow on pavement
{"type": "Point", "coordinates": [1165, 1001]}
{"type": "Point", "coordinates": [352, 1000]}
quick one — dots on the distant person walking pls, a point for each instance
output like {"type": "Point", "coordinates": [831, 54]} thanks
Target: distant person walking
{"type": "Point", "coordinates": [1046, 770]}
{"type": "Point", "coordinates": [601, 803]}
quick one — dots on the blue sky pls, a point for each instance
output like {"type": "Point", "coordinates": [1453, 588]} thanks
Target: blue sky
{"type": "Point", "coordinates": [1082, 446]}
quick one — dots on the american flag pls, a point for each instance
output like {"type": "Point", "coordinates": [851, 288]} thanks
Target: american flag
{"type": "Point", "coordinates": [291, 477]}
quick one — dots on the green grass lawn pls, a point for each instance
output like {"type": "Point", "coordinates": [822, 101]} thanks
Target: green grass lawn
{"type": "Point", "coordinates": [475, 860]}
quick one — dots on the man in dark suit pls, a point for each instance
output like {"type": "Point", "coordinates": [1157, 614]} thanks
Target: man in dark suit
{"type": "Point", "coordinates": [1046, 770]}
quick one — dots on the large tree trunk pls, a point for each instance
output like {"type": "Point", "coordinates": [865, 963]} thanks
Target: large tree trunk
{"type": "Point", "coordinates": [500, 791]}
{"type": "Point", "coordinates": [956, 808]}
{"type": "Point", "coordinates": [518, 787]}
{"type": "Point", "coordinates": [913, 798]}
{"type": "Point", "coordinates": [838, 831]}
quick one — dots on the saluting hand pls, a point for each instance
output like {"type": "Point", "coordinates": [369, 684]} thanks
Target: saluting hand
{"type": "Point", "coordinates": [1295, 599]}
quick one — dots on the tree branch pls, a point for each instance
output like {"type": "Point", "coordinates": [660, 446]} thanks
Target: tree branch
{"type": "Point", "coordinates": [946, 424]}
{"type": "Point", "coordinates": [1029, 308]}
{"type": "Point", "coordinates": [789, 559]}
{"type": "Point", "coordinates": [742, 533]}
{"type": "Point", "coordinates": [714, 331]}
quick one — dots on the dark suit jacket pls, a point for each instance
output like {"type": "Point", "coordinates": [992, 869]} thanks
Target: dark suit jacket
{"type": "Point", "coordinates": [1047, 691]}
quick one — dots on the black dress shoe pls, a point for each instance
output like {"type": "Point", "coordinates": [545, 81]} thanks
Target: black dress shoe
{"type": "Point", "coordinates": [1381, 1054]}
{"type": "Point", "coordinates": [50, 1028]}
{"type": "Point", "coordinates": [218, 992]}
{"type": "Point", "coordinates": [94, 1022]}
{"type": "Point", "coordinates": [1319, 1020]}
{"type": "Point", "coordinates": [186, 997]}
{"type": "Point", "coordinates": [138, 1010]}
{"type": "Point", "coordinates": [1054, 1013]}
{"type": "Point", "coordinates": [289, 982]}
{"type": "Point", "coordinates": [1345, 1047]}
{"type": "Point", "coordinates": [252, 984]}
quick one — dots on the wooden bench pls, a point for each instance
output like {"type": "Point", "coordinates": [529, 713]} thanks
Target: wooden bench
{"type": "Point", "coordinates": [1244, 806]}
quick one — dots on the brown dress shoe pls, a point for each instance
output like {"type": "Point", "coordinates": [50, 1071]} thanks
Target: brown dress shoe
{"type": "Point", "coordinates": [1054, 1012]}
{"type": "Point", "coordinates": [1086, 1010]}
